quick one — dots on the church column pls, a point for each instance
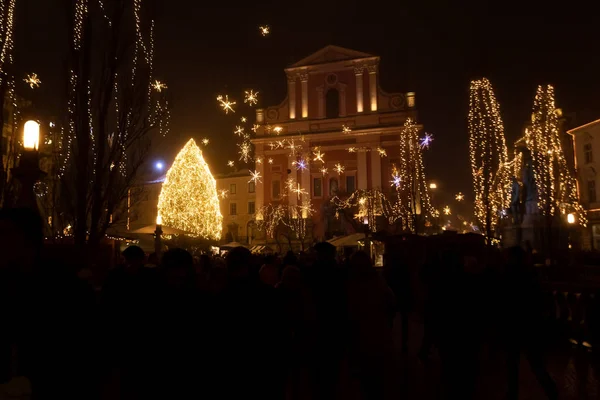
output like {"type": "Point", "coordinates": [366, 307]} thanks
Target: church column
{"type": "Point", "coordinates": [373, 86]}
{"type": "Point", "coordinates": [358, 72]}
{"type": "Point", "coordinates": [342, 100]}
{"type": "Point", "coordinates": [321, 103]}
{"type": "Point", "coordinates": [375, 169]}
{"type": "Point", "coordinates": [361, 170]}
{"type": "Point", "coordinates": [304, 81]}
{"type": "Point", "coordinates": [292, 197]}
{"type": "Point", "coordinates": [292, 95]}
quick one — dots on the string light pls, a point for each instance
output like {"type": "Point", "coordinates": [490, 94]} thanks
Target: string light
{"type": "Point", "coordinates": [488, 153]}
{"type": "Point", "coordinates": [264, 30]}
{"type": "Point", "coordinates": [159, 86]}
{"type": "Point", "coordinates": [556, 186]}
{"type": "Point", "coordinates": [188, 199]}
{"type": "Point", "coordinates": [33, 81]}
{"type": "Point", "coordinates": [255, 177]}
{"type": "Point", "coordinates": [251, 98]}
{"type": "Point", "coordinates": [225, 104]}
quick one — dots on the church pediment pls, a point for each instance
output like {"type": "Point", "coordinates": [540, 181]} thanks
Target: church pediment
{"type": "Point", "coordinates": [331, 54]}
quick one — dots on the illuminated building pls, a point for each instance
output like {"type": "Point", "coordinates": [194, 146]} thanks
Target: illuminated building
{"type": "Point", "coordinates": [334, 103]}
{"type": "Point", "coordinates": [238, 206]}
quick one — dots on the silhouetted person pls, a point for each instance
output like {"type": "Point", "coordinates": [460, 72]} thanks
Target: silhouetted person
{"type": "Point", "coordinates": [327, 285]}
{"type": "Point", "coordinates": [397, 275]}
{"type": "Point", "coordinates": [269, 271]}
{"type": "Point", "coordinates": [371, 308]}
{"type": "Point", "coordinates": [523, 322]}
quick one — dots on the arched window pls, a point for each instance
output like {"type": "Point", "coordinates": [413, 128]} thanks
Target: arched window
{"type": "Point", "coordinates": [332, 103]}
{"type": "Point", "coordinates": [333, 187]}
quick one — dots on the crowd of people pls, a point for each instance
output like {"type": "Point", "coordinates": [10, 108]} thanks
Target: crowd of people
{"type": "Point", "coordinates": [245, 326]}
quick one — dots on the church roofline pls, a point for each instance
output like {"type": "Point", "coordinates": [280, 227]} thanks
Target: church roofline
{"type": "Point", "coordinates": [314, 57]}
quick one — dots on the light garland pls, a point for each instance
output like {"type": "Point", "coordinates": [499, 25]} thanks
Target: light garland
{"type": "Point", "coordinates": [188, 199]}
{"type": "Point", "coordinates": [556, 186]}
{"type": "Point", "coordinates": [488, 153]}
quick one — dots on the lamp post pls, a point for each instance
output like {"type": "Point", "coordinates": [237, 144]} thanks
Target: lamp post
{"type": "Point", "coordinates": [158, 237]}
{"type": "Point", "coordinates": [28, 172]}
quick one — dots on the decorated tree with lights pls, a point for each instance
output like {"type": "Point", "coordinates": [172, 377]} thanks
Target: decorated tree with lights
{"type": "Point", "coordinates": [554, 183]}
{"type": "Point", "coordinates": [188, 199]}
{"type": "Point", "coordinates": [114, 110]}
{"type": "Point", "coordinates": [488, 154]}
{"type": "Point", "coordinates": [413, 202]}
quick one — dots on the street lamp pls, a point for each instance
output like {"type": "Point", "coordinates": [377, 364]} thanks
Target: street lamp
{"type": "Point", "coordinates": [571, 218]}
{"type": "Point", "coordinates": [158, 236]}
{"type": "Point", "coordinates": [433, 185]}
{"type": "Point", "coordinates": [28, 172]}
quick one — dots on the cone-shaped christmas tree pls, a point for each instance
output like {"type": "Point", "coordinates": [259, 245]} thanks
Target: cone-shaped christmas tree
{"type": "Point", "coordinates": [188, 199]}
{"type": "Point", "coordinates": [488, 154]}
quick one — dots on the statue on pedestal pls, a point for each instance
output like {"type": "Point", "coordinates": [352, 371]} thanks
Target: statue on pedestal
{"type": "Point", "coordinates": [515, 201]}
{"type": "Point", "coordinates": [530, 189]}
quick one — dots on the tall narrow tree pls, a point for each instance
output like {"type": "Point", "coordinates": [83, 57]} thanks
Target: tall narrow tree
{"type": "Point", "coordinates": [555, 184]}
{"type": "Point", "coordinates": [488, 154]}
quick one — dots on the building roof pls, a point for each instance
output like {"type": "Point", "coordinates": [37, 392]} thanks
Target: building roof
{"type": "Point", "coordinates": [234, 174]}
{"type": "Point", "coordinates": [584, 126]}
{"type": "Point", "coordinates": [329, 54]}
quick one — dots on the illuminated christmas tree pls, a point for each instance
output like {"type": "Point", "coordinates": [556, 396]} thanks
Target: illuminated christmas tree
{"type": "Point", "coordinates": [555, 184]}
{"type": "Point", "coordinates": [413, 196]}
{"type": "Point", "coordinates": [488, 154]}
{"type": "Point", "coordinates": [188, 199]}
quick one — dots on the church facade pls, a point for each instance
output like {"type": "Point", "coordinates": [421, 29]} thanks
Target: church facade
{"type": "Point", "coordinates": [337, 131]}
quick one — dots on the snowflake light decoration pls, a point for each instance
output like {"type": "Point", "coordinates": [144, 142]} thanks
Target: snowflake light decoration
{"type": "Point", "coordinates": [459, 197]}
{"type": "Point", "coordinates": [243, 119]}
{"type": "Point", "coordinates": [239, 130]}
{"type": "Point", "coordinates": [318, 155]}
{"type": "Point", "coordinates": [230, 163]}
{"type": "Point", "coordinates": [277, 130]}
{"type": "Point", "coordinates": [300, 164]}
{"type": "Point", "coordinates": [223, 193]}
{"type": "Point", "coordinates": [251, 97]}
{"type": "Point", "coordinates": [258, 160]}
{"type": "Point", "coordinates": [264, 30]}
{"type": "Point", "coordinates": [381, 152]}
{"type": "Point", "coordinates": [33, 81]}
{"type": "Point", "coordinates": [352, 149]}
{"type": "Point", "coordinates": [225, 104]}
{"type": "Point", "coordinates": [324, 171]}
{"type": "Point", "coordinates": [255, 127]}
{"type": "Point", "coordinates": [255, 177]}
{"type": "Point", "coordinates": [339, 168]}
{"type": "Point", "coordinates": [158, 86]}
{"type": "Point", "coordinates": [447, 210]}
{"type": "Point", "coordinates": [346, 129]}
{"type": "Point", "coordinates": [270, 161]}
{"type": "Point", "coordinates": [205, 141]}
{"type": "Point", "coordinates": [426, 140]}
{"type": "Point", "coordinates": [244, 151]}
{"type": "Point", "coordinates": [396, 180]}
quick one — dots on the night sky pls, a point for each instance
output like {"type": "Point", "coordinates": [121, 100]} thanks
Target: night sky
{"type": "Point", "coordinates": [431, 48]}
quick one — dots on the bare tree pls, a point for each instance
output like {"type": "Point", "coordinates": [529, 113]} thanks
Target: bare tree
{"type": "Point", "coordinates": [112, 111]}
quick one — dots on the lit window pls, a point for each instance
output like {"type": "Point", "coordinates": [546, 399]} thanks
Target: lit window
{"type": "Point", "coordinates": [232, 209]}
{"type": "Point", "coordinates": [232, 188]}
{"type": "Point", "coordinates": [251, 207]}
{"type": "Point", "coordinates": [251, 187]}
{"type": "Point", "coordinates": [587, 153]}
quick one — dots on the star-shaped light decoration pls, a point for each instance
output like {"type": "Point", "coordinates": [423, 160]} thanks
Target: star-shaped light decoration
{"type": "Point", "coordinates": [244, 151]}
{"type": "Point", "coordinates": [351, 149]}
{"type": "Point", "coordinates": [264, 30]}
{"type": "Point", "coordinates": [258, 160]}
{"type": "Point", "coordinates": [299, 191]}
{"type": "Point", "coordinates": [230, 163]}
{"type": "Point", "coordinates": [33, 81]}
{"type": "Point", "coordinates": [396, 180]}
{"type": "Point", "coordinates": [339, 168]}
{"type": "Point", "coordinates": [459, 197]}
{"type": "Point", "coordinates": [225, 104]}
{"type": "Point", "coordinates": [205, 141]}
{"type": "Point", "coordinates": [324, 171]}
{"type": "Point", "coordinates": [223, 193]}
{"type": "Point", "coordinates": [426, 140]}
{"type": "Point", "coordinates": [346, 129]}
{"type": "Point", "coordinates": [243, 119]}
{"type": "Point", "coordinates": [239, 130]}
{"type": "Point", "coordinates": [255, 127]}
{"type": "Point", "coordinates": [270, 161]}
{"type": "Point", "coordinates": [318, 155]}
{"type": "Point", "coordinates": [277, 130]}
{"type": "Point", "coordinates": [158, 86]}
{"type": "Point", "coordinates": [255, 177]}
{"type": "Point", "coordinates": [250, 97]}
{"type": "Point", "coordinates": [382, 152]}
{"type": "Point", "coordinates": [447, 210]}
{"type": "Point", "coordinates": [300, 164]}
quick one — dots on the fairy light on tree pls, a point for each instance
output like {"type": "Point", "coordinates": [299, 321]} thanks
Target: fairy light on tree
{"type": "Point", "coordinates": [488, 153]}
{"type": "Point", "coordinates": [189, 200]}
{"type": "Point", "coordinates": [555, 185]}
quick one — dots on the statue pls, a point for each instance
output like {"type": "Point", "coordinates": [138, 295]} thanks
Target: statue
{"type": "Point", "coordinates": [530, 189]}
{"type": "Point", "coordinates": [515, 201]}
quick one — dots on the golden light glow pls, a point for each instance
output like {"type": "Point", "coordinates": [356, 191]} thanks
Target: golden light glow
{"type": "Point", "coordinates": [158, 86]}
{"type": "Point", "coordinates": [447, 210]}
{"type": "Point", "coordinates": [225, 104]}
{"type": "Point", "coordinates": [433, 186]}
{"type": "Point", "coordinates": [488, 153]}
{"type": "Point", "coordinates": [270, 161]}
{"type": "Point", "coordinates": [159, 220]}
{"type": "Point", "coordinates": [571, 218]}
{"type": "Point", "coordinates": [250, 97]}
{"type": "Point", "coordinates": [205, 141]}
{"type": "Point", "coordinates": [188, 199]}
{"type": "Point", "coordinates": [31, 135]}
{"type": "Point", "coordinates": [264, 30]}
{"type": "Point", "coordinates": [255, 177]}
{"type": "Point", "coordinates": [245, 149]}
{"type": "Point", "coordinates": [33, 81]}
{"type": "Point", "coordinates": [278, 129]}
{"type": "Point", "coordinates": [459, 197]}
{"type": "Point", "coordinates": [556, 186]}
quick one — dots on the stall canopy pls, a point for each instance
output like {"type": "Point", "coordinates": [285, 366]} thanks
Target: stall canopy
{"type": "Point", "coordinates": [150, 229]}
{"type": "Point", "coordinates": [348, 240]}
{"type": "Point", "coordinates": [261, 249]}
{"type": "Point", "coordinates": [231, 245]}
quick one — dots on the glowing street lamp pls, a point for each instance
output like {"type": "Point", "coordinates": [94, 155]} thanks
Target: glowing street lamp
{"type": "Point", "coordinates": [158, 236]}
{"type": "Point", "coordinates": [159, 165]}
{"type": "Point", "coordinates": [28, 171]}
{"type": "Point", "coordinates": [571, 218]}
{"type": "Point", "coordinates": [432, 185]}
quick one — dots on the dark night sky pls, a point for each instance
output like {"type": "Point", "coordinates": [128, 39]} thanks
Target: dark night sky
{"type": "Point", "coordinates": [432, 48]}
